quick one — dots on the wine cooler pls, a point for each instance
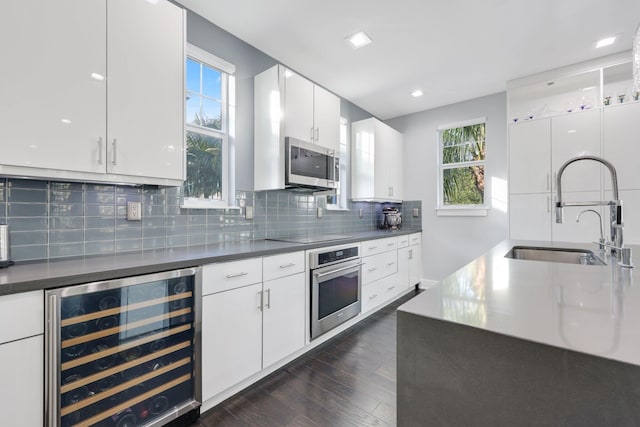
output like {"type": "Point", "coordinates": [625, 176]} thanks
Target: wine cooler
{"type": "Point", "coordinates": [125, 352]}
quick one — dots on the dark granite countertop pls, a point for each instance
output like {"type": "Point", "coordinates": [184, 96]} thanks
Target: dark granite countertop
{"type": "Point", "coordinates": [30, 276]}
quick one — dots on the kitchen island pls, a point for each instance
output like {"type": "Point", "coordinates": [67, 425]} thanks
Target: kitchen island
{"type": "Point", "coordinates": [515, 342]}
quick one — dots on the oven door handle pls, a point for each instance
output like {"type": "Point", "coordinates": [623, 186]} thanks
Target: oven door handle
{"type": "Point", "coordinates": [320, 275]}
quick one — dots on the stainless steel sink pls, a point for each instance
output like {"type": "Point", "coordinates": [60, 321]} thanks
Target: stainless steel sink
{"type": "Point", "coordinates": [563, 255]}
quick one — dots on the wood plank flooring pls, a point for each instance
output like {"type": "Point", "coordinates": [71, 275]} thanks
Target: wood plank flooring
{"type": "Point", "coordinates": [347, 381]}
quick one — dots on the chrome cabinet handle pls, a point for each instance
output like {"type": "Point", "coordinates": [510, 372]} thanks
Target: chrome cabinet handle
{"type": "Point", "coordinates": [268, 291]}
{"type": "Point", "coordinates": [100, 150]}
{"type": "Point", "coordinates": [391, 287]}
{"type": "Point", "coordinates": [548, 181]}
{"type": "Point", "coordinates": [113, 144]}
{"type": "Point", "coordinates": [390, 244]}
{"type": "Point", "coordinates": [390, 263]}
{"type": "Point", "coordinates": [312, 134]}
{"type": "Point", "coordinates": [548, 204]}
{"type": "Point", "coordinates": [319, 275]}
{"type": "Point", "coordinates": [372, 247]}
{"type": "Point", "coordinates": [261, 305]}
{"type": "Point", "coordinates": [410, 253]}
{"type": "Point", "coordinates": [232, 275]}
{"type": "Point", "coordinates": [291, 264]}
{"type": "Point", "coordinates": [373, 296]}
{"type": "Point", "coordinates": [317, 134]}
{"type": "Point", "coordinates": [373, 269]}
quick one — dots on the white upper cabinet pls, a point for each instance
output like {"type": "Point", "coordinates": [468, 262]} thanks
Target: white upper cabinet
{"type": "Point", "coordinates": [298, 107]}
{"type": "Point", "coordinates": [575, 135]}
{"type": "Point", "coordinates": [326, 118]}
{"type": "Point", "coordinates": [95, 93]}
{"type": "Point", "coordinates": [621, 139]}
{"type": "Point", "coordinates": [145, 99]}
{"type": "Point", "coordinates": [376, 161]}
{"type": "Point", "coordinates": [530, 157]}
{"type": "Point", "coordinates": [53, 108]}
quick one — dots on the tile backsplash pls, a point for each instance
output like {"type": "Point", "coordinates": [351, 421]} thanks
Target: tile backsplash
{"type": "Point", "coordinates": [50, 219]}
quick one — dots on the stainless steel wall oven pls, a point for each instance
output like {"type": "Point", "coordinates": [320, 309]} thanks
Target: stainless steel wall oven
{"type": "Point", "coordinates": [125, 352]}
{"type": "Point", "coordinates": [335, 278]}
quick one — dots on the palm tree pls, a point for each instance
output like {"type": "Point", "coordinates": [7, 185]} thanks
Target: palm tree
{"type": "Point", "coordinates": [204, 162]}
{"type": "Point", "coordinates": [463, 185]}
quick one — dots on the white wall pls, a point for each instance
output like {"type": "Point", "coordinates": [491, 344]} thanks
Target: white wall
{"type": "Point", "coordinates": [451, 242]}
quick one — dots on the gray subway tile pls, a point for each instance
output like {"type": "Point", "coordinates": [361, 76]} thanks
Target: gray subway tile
{"type": "Point", "coordinates": [66, 186]}
{"type": "Point", "coordinates": [65, 209]}
{"type": "Point", "coordinates": [99, 234]}
{"type": "Point", "coordinates": [25, 253]}
{"type": "Point", "coordinates": [97, 222]}
{"type": "Point", "coordinates": [177, 241]}
{"type": "Point", "coordinates": [57, 250]}
{"type": "Point", "coordinates": [104, 247]}
{"type": "Point", "coordinates": [27, 209]}
{"type": "Point", "coordinates": [64, 236]}
{"type": "Point", "coordinates": [28, 224]}
{"type": "Point", "coordinates": [23, 238]}
{"type": "Point", "coordinates": [154, 243]}
{"type": "Point", "coordinates": [100, 210]}
{"type": "Point", "coordinates": [20, 195]}
{"type": "Point", "coordinates": [154, 232]}
{"type": "Point", "coordinates": [100, 197]}
{"type": "Point", "coordinates": [128, 233]}
{"type": "Point", "coordinates": [128, 245]}
{"type": "Point", "coordinates": [153, 210]}
{"type": "Point", "coordinates": [27, 183]}
{"type": "Point", "coordinates": [197, 239]}
{"type": "Point", "coordinates": [66, 196]}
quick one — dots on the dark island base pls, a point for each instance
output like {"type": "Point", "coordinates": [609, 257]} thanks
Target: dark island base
{"type": "Point", "coordinates": [455, 375]}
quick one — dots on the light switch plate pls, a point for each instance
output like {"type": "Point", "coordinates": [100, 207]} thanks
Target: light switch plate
{"type": "Point", "coordinates": [416, 212]}
{"type": "Point", "coordinates": [320, 212]}
{"type": "Point", "coordinates": [248, 212]}
{"type": "Point", "coordinates": [134, 211]}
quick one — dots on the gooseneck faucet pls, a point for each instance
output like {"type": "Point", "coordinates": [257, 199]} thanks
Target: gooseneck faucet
{"type": "Point", "coordinates": [615, 206]}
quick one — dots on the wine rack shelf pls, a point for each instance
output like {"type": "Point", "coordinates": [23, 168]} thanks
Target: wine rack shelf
{"type": "Point", "coordinates": [123, 352]}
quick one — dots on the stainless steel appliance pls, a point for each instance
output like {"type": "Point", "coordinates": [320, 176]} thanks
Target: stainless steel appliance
{"type": "Point", "coordinates": [125, 352]}
{"type": "Point", "coordinates": [335, 278]}
{"type": "Point", "coordinates": [310, 165]}
{"type": "Point", "coordinates": [391, 218]}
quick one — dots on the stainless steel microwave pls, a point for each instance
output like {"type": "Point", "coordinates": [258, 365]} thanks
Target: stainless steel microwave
{"type": "Point", "coordinates": [310, 165]}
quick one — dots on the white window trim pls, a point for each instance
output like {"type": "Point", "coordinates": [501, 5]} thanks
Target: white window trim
{"type": "Point", "coordinates": [227, 133]}
{"type": "Point", "coordinates": [457, 210]}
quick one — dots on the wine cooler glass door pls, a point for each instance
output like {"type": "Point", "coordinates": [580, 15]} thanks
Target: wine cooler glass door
{"type": "Point", "coordinates": [124, 352]}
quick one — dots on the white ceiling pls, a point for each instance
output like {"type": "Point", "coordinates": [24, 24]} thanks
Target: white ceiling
{"type": "Point", "coordinates": [453, 50]}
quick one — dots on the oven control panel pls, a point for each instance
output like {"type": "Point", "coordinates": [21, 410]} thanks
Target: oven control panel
{"type": "Point", "coordinates": [329, 257]}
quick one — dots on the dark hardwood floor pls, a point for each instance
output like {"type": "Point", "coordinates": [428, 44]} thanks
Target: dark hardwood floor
{"type": "Point", "coordinates": [348, 381]}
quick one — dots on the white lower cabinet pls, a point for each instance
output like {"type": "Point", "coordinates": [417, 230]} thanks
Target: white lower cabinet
{"type": "Point", "coordinates": [22, 385]}
{"type": "Point", "coordinates": [231, 338]}
{"type": "Point", "coordinates": [283, 318]}
{"type": "Point", "coordinates": [22, 359]}
{"type": "Point", "coordinates": [247, 327]}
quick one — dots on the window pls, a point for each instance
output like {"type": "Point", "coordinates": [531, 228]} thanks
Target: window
{"type": "Point", "coordinates": [209, 124]}
{"type": "Point", "coordinates": [462, 149]}
{"type": "Point", "coordinates": [338, 201]}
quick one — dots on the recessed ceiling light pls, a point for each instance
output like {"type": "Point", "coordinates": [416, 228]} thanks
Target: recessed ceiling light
{"type": "Point", "coordinates": [605, 42]}
{"type": "Point", "coordinates": [97, 76]}
{"type": "Point", "coordinates": [417, 93]}
{"type": "Point", "coordinates": [585, 89]}
{"type": "Point", "coordinates": [358, 40]}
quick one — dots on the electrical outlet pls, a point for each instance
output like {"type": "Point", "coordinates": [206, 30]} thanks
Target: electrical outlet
{"type": "Point", "coordinates": [320, 212]}
{"type": "Point", "coordinates": [416, 212]}
{"type": "Point", "coordinates": [134, 211]}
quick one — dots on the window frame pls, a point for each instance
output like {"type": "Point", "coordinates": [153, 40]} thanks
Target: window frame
{"type": "Point", "coordinates": [226, 133]}
{"type": "Point", "coordinates": [459, 210]}
{"type": "Point", "coordinates": [345, 159]}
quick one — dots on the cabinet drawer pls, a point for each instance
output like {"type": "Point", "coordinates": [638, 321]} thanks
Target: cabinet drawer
{"type": "Point", "coordinates": [282, 265]}
{"type": "Point", "coordinates": [403, 241]}
{"type": "Point", "coordinates": [22, 315]}
{"type": "Point", "coordinates": [378, 266]}
{"type": "Point", "coordinates": [371, 247]}
{"type": "Point", "coordinates": [230, 275]}
{"type": "Point", "coordinates": [415, 238]}
{"type": "Point", "coordinates": [380, 291]}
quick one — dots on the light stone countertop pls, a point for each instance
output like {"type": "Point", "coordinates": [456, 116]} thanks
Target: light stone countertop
{"type": "Point", "coordinates": [30, 276]}
{"type": "Point", "coordinates": [589, 309]}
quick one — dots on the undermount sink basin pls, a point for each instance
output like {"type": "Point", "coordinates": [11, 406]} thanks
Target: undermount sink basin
{"type": "Point", "coordinates": [563, 255]}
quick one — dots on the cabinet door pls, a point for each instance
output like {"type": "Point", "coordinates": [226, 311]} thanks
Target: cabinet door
{"type": "Point", "coordinates": [588, 229]}
{"type": "Point", "coordinates": [574, 135]}
{"type": "Point", "coordinates": [53, 108]}
{"type": "Point", "coordinates": [363, 152]}
{"type": "Point", "coordinates": [530, 157]}
{"type": "Point", "coordinates": [22, 385]}
{"type": "Point", "coordinates": [298, 110]}
{"type": "Point", "coordinates": [404, 254]}
{"type": "Point", "coordinates": [388, 163]}
{"type": "Point", "coordinates": [326, 118]}
{"type": "Point", "coordinates": [530, 216]}
{"type": "Point", "coordinates": [415, 257]}
{"type": "Point", "coordinates": [231, 338]}
{"type": "Point", "coordinates": [621, 133]}
{"type": "Point", "coordinates": [283, 327]}
{"type": "Point", "coordinates": [145, 47]}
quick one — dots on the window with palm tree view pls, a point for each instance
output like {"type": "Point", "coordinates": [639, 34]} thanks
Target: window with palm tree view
{"type": "Point", "coordinates": [462, 163]}
{"type": "Point", "coordinates": [207, 130]}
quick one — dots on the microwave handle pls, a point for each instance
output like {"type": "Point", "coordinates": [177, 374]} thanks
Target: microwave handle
{"type": "Point", "coordinates": [335, 165]}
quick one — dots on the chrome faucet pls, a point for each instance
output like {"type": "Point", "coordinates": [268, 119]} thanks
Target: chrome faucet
{"type": "Point", "coordinates": [602, 242]}
{"type": "Point", "coordinates": [615, 206]}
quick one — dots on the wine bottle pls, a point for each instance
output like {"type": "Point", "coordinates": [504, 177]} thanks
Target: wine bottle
{"type": "Point", "coordinates": [107, 322]}
{"type": "Point", "coordinates": [104, 362]}
{"type": "Point", "coordinates": [108, 301]}
{"type": "Point", "coordinates": [158, 404]}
